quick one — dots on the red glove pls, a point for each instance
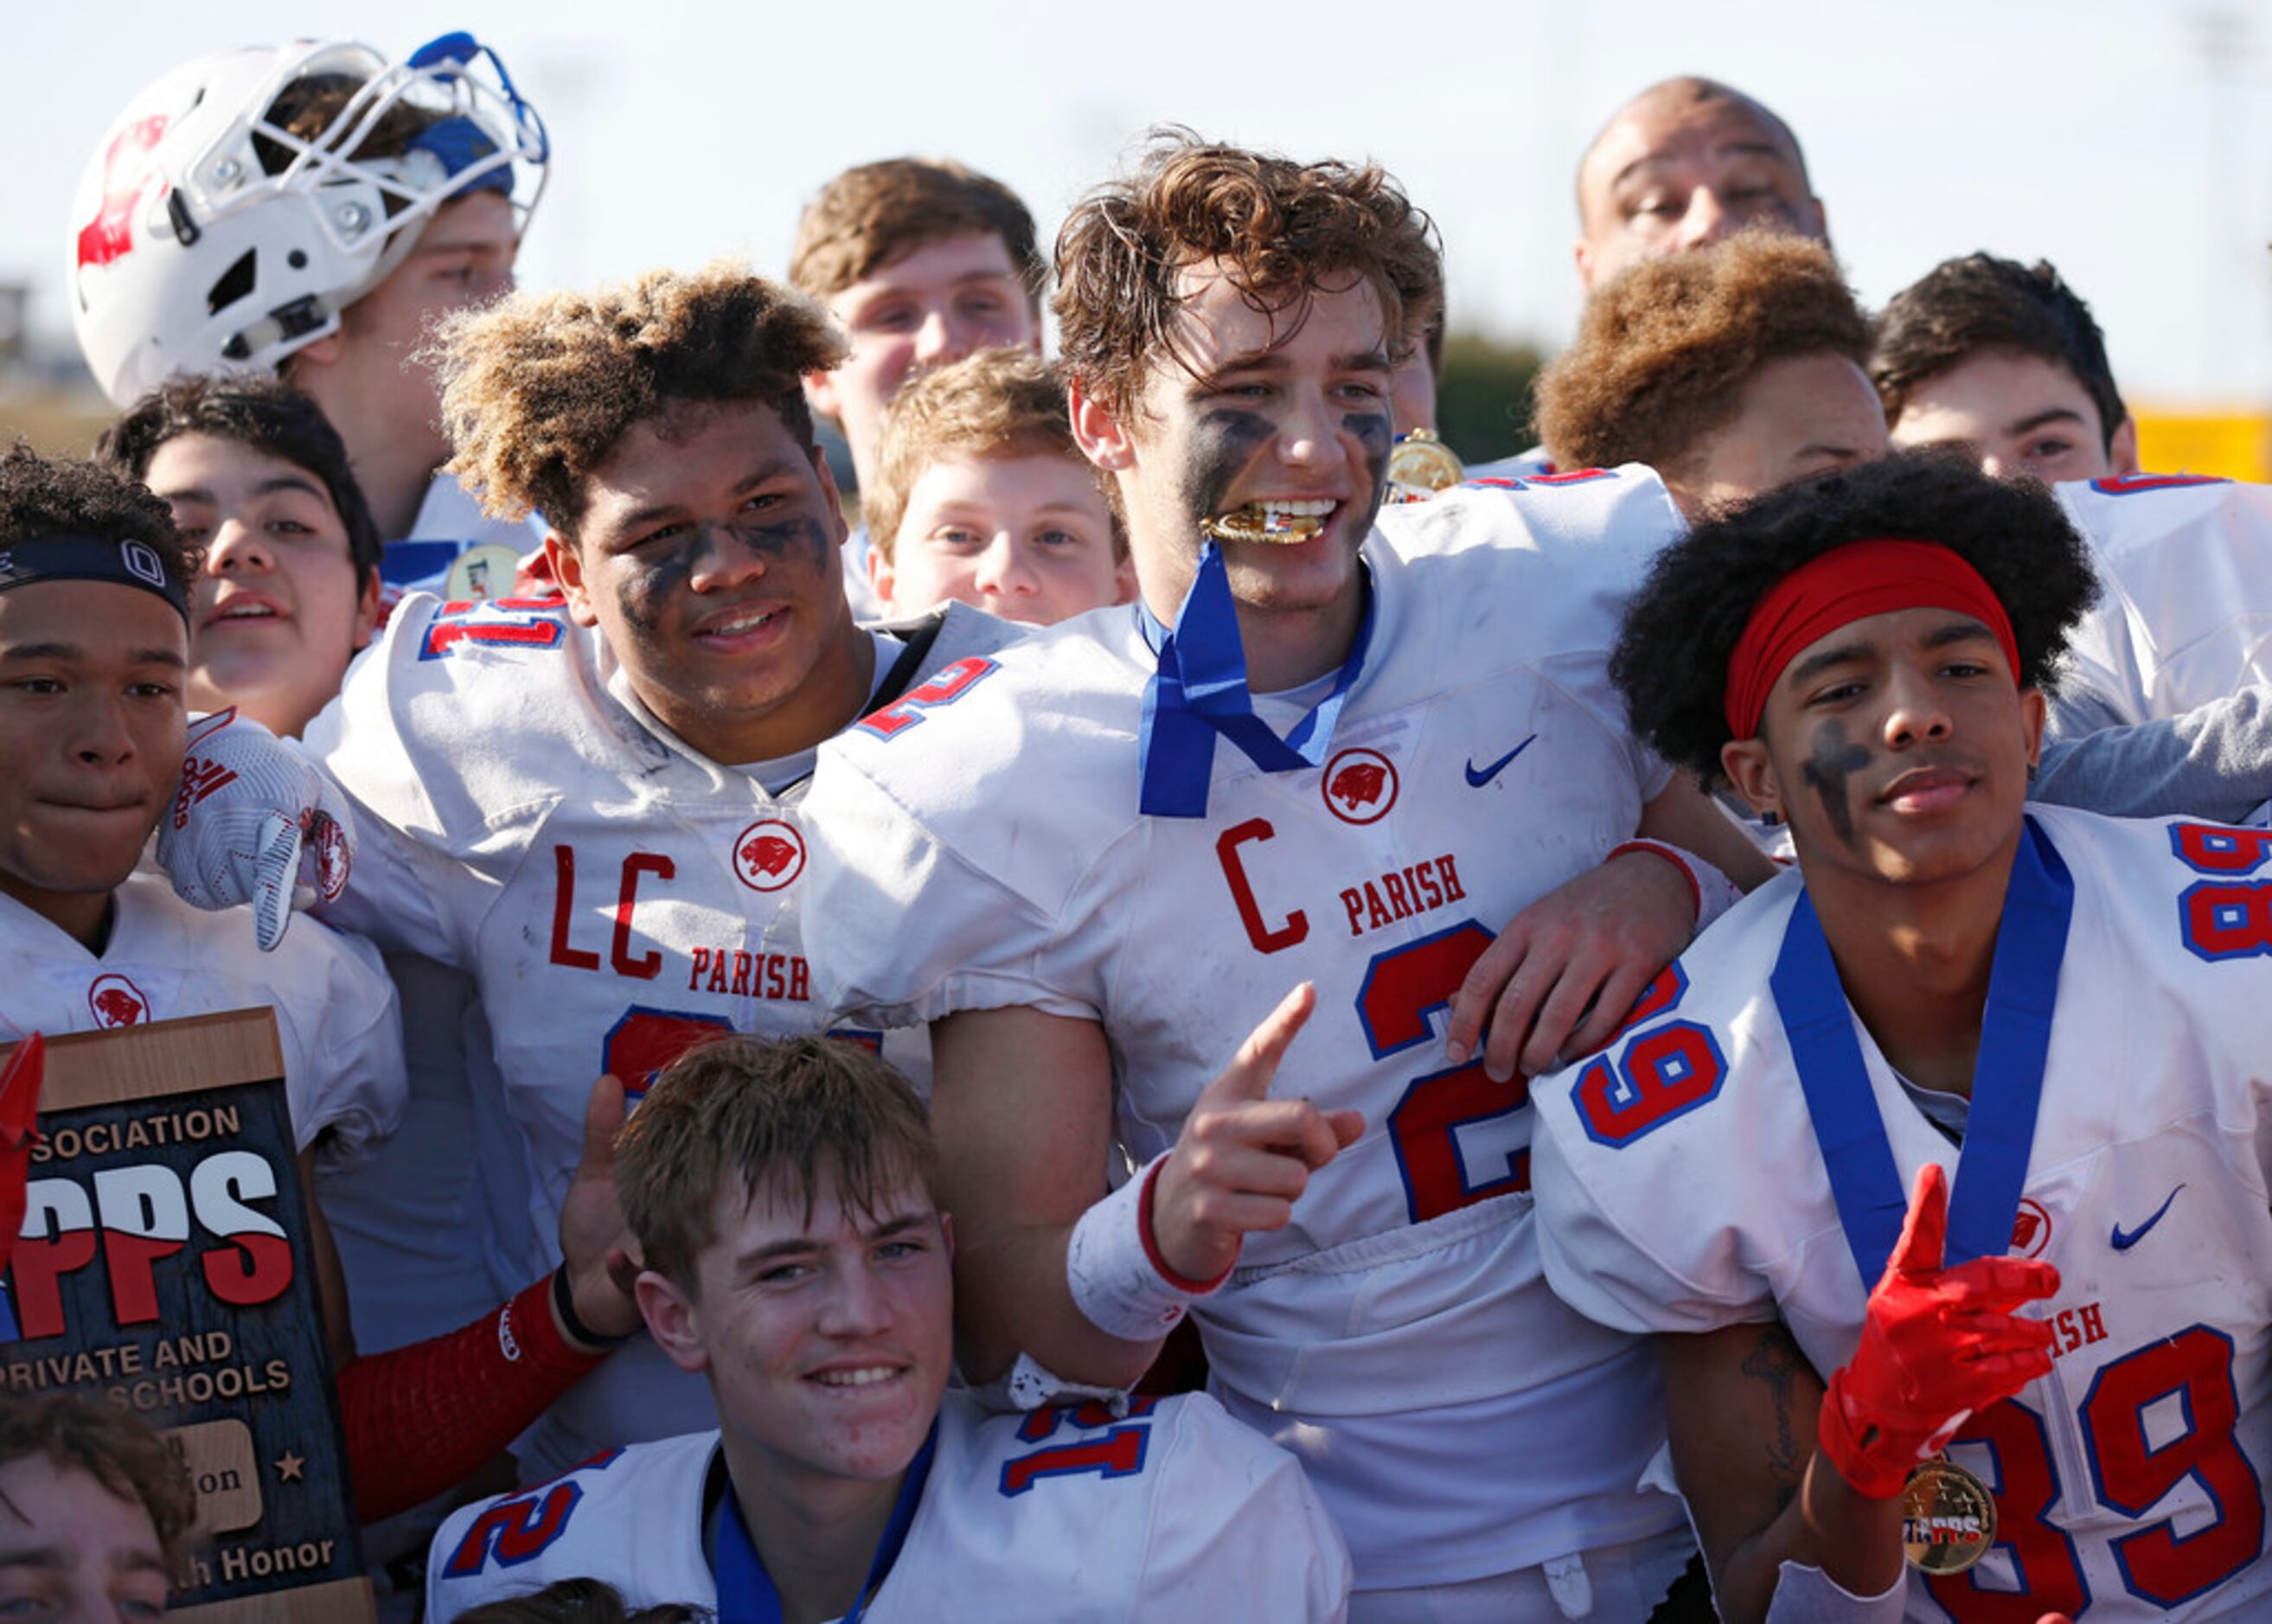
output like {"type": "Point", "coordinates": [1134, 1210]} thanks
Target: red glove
{"type": "Point", "coordinates": [1937, 1344]}
{"type": "Point", "coordinates": [19, 1106]}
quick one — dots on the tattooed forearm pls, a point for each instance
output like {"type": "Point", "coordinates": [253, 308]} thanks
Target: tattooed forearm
{"type": "Point", "coordinates": [1775, 1361]}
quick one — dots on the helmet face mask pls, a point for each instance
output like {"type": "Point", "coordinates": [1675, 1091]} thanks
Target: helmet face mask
{"type": "Point", "coordinates": [211, 237]}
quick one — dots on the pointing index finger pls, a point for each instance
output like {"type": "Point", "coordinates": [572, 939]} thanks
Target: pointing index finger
{"type": "Point", "coordinates": [1251, 1072]}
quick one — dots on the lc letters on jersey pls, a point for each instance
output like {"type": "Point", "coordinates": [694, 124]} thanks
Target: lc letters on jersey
{"type": "Point", "coordinates": [614, 893]}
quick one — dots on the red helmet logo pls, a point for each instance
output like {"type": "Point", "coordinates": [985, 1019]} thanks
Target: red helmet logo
{"type": "Point", "coordinates": [111, 234]}
{"type": "Point", "coordinates": [1360, 786]}
{"type": "Point", "coordinates": [768, 854]}
{"type": "Point", "coordinates": [113, 1000]}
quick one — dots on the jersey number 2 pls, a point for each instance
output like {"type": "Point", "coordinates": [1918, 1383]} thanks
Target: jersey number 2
{"type": "Point", "coordinates": [1459, 1138]}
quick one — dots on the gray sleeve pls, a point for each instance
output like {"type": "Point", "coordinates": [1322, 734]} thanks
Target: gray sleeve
{"type": "Point", "coordinates": [2214, 762]}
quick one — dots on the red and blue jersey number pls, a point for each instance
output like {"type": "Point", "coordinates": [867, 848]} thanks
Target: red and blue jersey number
{"type": "Point", "coordinates": [519, 622]}
{"type": "Point", "coordinates": [2135, 484]}
{"type": "Point", "coordinates": [522, 1529]}
{"type": "Point", "coordinates": [1108, 1446]}
{"type": "Point", "coordinates": [946, 685]}
{"type": "Point", "coordinates": [2227, 915]}
{"type": "Point", "coordinates": [2151, 1421]}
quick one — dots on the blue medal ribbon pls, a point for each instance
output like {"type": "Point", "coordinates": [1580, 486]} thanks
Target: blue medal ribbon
{"type": "Point", "coordinates": [746, 1590]}
{"type": "Point", "coordinates": [1199, 691]}
{"type": "Point", "coordinates": [2007, 1079]}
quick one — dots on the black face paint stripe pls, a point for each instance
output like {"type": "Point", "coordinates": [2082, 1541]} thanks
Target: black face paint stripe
{"type": "Point", "coordinates": [1835, 760]}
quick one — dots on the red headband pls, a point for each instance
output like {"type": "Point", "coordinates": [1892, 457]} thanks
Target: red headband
{"type": "Point", "coordinates": [1845, 585]}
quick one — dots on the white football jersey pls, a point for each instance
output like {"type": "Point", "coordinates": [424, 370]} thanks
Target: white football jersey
{"type": "Point", "coordinates": [2185, 575]}
{"type": "Point", "coordinates": [1060, 1517]}
{"type": "Point", "coordinates": [335, 1012]}
{"type": "Point", "coordinates": [1397, 1335]}
{"type": "Point", "coordinates": [615, 894]}
{"type": "Point", "coordinates": [1682, 1190]}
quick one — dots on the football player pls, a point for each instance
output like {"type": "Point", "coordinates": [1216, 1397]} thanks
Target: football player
{"type": "Point", "coordinates": [593, 807]}
{"type": "Point", "coordinates": [93, 654]}
{"type": "Point", "coordinates": [310, 209]}
{"type": "Point", "coordinates": [796, 1256]}
{"type": "Point", "coordinates": [2050, 1390]}
{"type": "Point", "coordinates": [1357, 756]}
{"type": "Point", "coordinates": [980, 495]}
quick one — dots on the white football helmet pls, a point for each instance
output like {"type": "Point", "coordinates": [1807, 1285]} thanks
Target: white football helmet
{"type": "Point", "coordinates": [209, 238]}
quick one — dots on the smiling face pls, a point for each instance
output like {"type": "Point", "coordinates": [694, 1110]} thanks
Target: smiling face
{"type": "Point", "coordinates": [827, 1339]}
{"type": "Point", "coordinates": [73, 1552]}
{"type": "Point", "coordinates": [1897, 747]}
{"type": "Point", "coordinates": [1800, 416]}
{"type": "Point", "coordinates": [708, 557]}
{"type": "Point", "coordinates": [92, 726]}
{"type": "Point", "coordinates": [934, 304]}
{"type": "Point", "coordinates": [2017, 414]}
{"type": "Point", "coordinates": [278, 611]}
{"type": "Point", "coordinates": [1273, 415]}
{"type": "Point", "coordinates": [1674, 172]}
{"type": "Point", "coordinates": [1028, 537]}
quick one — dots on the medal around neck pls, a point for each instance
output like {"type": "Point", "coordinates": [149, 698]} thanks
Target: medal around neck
{"type": "Point", "coordinates": [1948, 1518]}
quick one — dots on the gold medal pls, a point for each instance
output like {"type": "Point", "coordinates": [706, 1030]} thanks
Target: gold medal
{"type": "Point", "coordinates": [482, 574]}
{"type": "Point", "coordinates": [1948, 1518]}
{"type": "Point", "coordinates": [1420, 465]}
{"type": "Point", "coordinates": [1256, 522]}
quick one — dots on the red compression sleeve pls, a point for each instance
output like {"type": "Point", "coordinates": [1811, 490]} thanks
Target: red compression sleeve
{"type": "Point", "coordinates": [423, 1419]}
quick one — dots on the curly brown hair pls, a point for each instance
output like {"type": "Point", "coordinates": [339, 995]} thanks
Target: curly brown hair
{"type": "Point", "coordinates": [996, 403]}
{"type": "Point", "coordinates": [774, 1116]}
{"type": "Point", "coordinates": [1282, 228]}
{"type": "Point", "coordinates": [870, 215]}
{"type": "Point", "coordinates": [538, 388]}
{"type": "Point", "coordinates": [1665, 348]}
{"type": "Point", "coordinates": [65, 496]}
{"type": "Point", "coordinates": [117, 1449]}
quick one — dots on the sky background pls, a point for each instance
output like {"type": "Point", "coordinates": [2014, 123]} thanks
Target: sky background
{"type": "Point", "coordinates": [2126, 140]}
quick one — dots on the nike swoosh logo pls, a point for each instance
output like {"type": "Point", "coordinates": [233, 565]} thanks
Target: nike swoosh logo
{"type": "Point", "coordinates": [1476, 780]}
{"type": "Point", "coordinates": [2123, 1243]}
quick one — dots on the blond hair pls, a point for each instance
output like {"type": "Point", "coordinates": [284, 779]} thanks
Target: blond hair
{"type": "Point", "coordinates": [537, 389]}
{"type": "Point", "coordinates": [996, 403]}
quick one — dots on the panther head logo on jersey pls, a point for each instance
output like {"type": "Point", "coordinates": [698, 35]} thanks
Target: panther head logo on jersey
{"type": "Point", "coordinates": [113, 1000]}
{"type": "Point", "coordinates": [1360, 786]}
{"type": "Point", "coordinates": [768, 854]}
{"type": "Point", "coordinates": [2031, 1229]}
